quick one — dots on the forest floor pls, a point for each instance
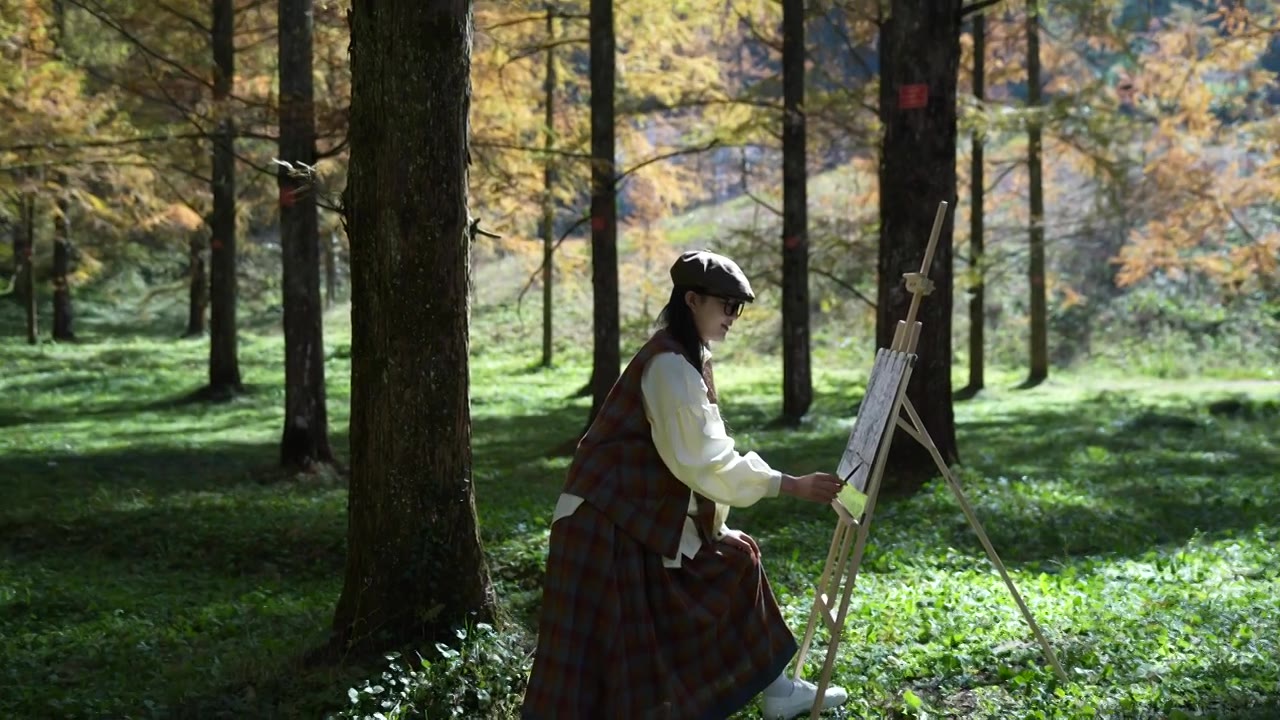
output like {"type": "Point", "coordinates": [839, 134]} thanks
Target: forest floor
{"type": "Point", "coordinates": [155, 563]}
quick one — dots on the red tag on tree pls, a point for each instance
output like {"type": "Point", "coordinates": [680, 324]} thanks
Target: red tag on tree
{"type": "Point", "coordinates": [288, 196]}
{"type": "Point", "coordinates": [597, 222]}
{"type": "Point", "coordinates": [913, 96]}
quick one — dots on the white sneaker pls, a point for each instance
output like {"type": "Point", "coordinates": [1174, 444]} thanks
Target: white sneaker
{"type": "Point", "coordinates": [800, 700]}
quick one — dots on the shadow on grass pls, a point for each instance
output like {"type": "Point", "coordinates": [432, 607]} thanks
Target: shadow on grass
{"type": "Point", "coordinates": [42, 484]}
{"type": "Point", "coordinates": [247, 572]}
{"type": "Point", "coordinates": [139, 578]}
{"type": "Point", "coordinates": [1099, 479]}
{"type": "Point", "coordinates": [1239, 708]}
{"type": "Point", "coordinates": [268, 532]}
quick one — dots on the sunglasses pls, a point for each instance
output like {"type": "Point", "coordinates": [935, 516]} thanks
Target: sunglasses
{"type": "Point", "coordinates": [733, 308]}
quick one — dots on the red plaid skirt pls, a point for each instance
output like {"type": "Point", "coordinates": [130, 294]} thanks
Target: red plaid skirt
{"type": "Point", "coordinates": [621, 636]}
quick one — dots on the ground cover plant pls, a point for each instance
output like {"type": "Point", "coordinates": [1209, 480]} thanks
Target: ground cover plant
{"type": "Point", "coordinates": [153, 563]}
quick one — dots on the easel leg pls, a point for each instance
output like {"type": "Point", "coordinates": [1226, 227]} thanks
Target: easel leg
{"type": "Point", "coordinates": [922, 436]}
{"type": "Point", "coordinates": [836, 624]}
{"type": "Point", "coordinates": [837, 539]}
{"type": "Point", "coordinates": [847, 575]}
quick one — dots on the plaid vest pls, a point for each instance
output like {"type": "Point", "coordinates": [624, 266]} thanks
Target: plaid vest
{"type": "Point", "coordinates": [618, 469]}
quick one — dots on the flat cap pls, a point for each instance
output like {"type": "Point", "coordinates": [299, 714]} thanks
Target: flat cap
{"type": "Point", "coordinates": [713, 274]}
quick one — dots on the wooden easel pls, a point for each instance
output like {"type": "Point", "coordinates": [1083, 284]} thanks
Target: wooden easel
{"type": "Point", "coordinates": [861, 468]}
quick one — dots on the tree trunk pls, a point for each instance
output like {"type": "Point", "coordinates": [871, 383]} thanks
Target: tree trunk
{"type": "Point", "coordinates": [548, 181]}
{"type": "Point", "coordinates": [305, 439]}
{"type": "Point", "coordinates": [330, 270]}
{"type": "Point", "coordinates": [1039, 310]}
{"type": "Point", "coordinates": [978, 294]}
{"type": "Point", "coordinates": [224, 367]}
{"type": "Point", "coordinates": [198, 304]}
{"type": "Point", "coordinates": [919, 45]}
{"type": "Point", "coordinates": [26, 266]}
{"type": "Point", "coordinates": [62, 316]}
{"type": "Point", "coordinates": [415, 565]}
{"type": "Point", "coordinates": [797, 382]}
{"type": "Point", "coordinates": [16, 238]}
{"type": "Point", "coordinates": [607, 361]}
{"type": "Point", "coordinates": [24, 289]}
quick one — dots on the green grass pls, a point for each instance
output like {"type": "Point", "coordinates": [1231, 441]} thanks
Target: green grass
{"type": "Point", "coordinates": [154, 563]}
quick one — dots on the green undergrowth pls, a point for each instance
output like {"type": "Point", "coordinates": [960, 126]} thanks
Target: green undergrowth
{"type": "Point", "coordinates": [155, 564]}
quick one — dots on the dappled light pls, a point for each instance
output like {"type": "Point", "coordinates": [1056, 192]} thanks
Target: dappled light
{"type": "Point", "coordinates": [1137, 521]}
{"type": "Point", "coordinates": [355, 365]}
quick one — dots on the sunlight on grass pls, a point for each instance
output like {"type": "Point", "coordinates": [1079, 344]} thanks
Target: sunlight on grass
{"type": "Point", "coordinates": [154, 562]}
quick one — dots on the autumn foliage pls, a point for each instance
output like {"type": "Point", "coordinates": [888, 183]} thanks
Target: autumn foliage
{"type": "Point", "coordinates": [1160, 140]}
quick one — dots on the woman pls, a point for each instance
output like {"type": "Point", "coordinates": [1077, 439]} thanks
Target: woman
{"type": "Point", "coordinates": [652, 607]}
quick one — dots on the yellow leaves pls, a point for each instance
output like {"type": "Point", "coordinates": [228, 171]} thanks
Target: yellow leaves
{"type": "Point", "coordinates": [666, 54]}
{"type": "Point", "coordinates": [174, 216]}
{"type": "Point", "coordinates": [1208, 172]}
{"type": "Point", "coordinates": [1066, 295]}
{"type": "Point", "coordinates": [1201, 205]}
{"type": "Point", "coordinates": [1145, 254]}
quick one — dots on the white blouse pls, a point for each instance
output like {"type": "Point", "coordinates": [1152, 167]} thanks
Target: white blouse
{"type": "Point", "coordinates": [691, 439]}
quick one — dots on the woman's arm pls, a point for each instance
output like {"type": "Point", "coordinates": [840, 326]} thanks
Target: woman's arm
{"type": "Point", "coordinates": [691, 439]}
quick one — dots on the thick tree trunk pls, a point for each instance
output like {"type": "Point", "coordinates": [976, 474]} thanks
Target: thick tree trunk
{"type": "Point", "coordinates": [919, 45]}
{"type": "Point", "coordinates": [62, 316]}
{"type": "Point", "coordinates": [978, 294]}
{"type": "Point", "coordinates": [305, 439]}
{"type": "Point", "coordinates": [224, 366]}
{"type": "Point", "coordinates": [415, 566]}
{"type": "Point", "coordinates": [548, 183]}
{"type": "Point", "coordinates": [797, 382]}
{"type": "Point", "coordinates": [1039, 309]}
{"type": "Point", "coordinates": [198, 303]}
{"type": "Point", "coordinates": [607, 360]}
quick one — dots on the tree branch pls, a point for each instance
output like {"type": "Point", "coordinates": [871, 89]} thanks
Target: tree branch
{"type": "Point", "coordinates": [534, 275]}
{"type": "Point", "coordinates": [665, 156]}
{"type": "Point", "coordinates": [335, 150]}
{"type": "Point", "coordinates": [474, 229]}
{"type": "Point", "coordinates": [651, 105]}
{"type": "Point", "coordinates": [746, 188]}
{"type": "Point", "coordinates": [531, 149]}
{"type": "Point", "coordinates": [972, 8]}
{"type": "Point", "coordinates": [762, 202]}
{"type": "Point", "coordinates": [844, 284]}
{"type": "Point", "coordinates": [151, 165]}
{"type": "Point", "coordinates": [533, 50]}
{"type": "Point", "coordinates": [107, 20]}
{"type": "Point", "coordinates": [584, 219]}
{"type": "Point", "coordinates": [776, 46]}
{"type": "Point", "coordinates": [191, 20]}
{"type": "Point", "coordinates": [534, 18]}
{"type": "Point", "coordinates": [853, 52]}
{"type": "Point", "coordinates": [174, 190]}
{"type": "Point", "coordinates": [516, 21]}
{"type": "Point", "coordinates": [56, 145]}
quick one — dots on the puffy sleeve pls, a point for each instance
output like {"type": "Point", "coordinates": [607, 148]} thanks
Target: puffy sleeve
{"type": "Point", "coordinates": [691, 437]}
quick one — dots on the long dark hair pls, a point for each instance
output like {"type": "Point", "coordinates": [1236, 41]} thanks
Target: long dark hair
{"type": "Point", "coordinates": [677, 319]}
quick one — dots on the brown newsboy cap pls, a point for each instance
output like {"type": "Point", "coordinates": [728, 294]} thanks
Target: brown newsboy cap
{"type": "Point", "coordinates": [713, 274]}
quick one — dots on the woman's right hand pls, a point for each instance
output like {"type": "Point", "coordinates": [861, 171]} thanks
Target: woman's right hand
{"type": "Point", "coordinates": [819, 487]}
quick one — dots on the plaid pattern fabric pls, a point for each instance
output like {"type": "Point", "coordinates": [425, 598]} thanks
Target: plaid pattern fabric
{"type": "Point", "coordinates": [622, 636]}
{"type": "Point", "coordinates": [618, 469]}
